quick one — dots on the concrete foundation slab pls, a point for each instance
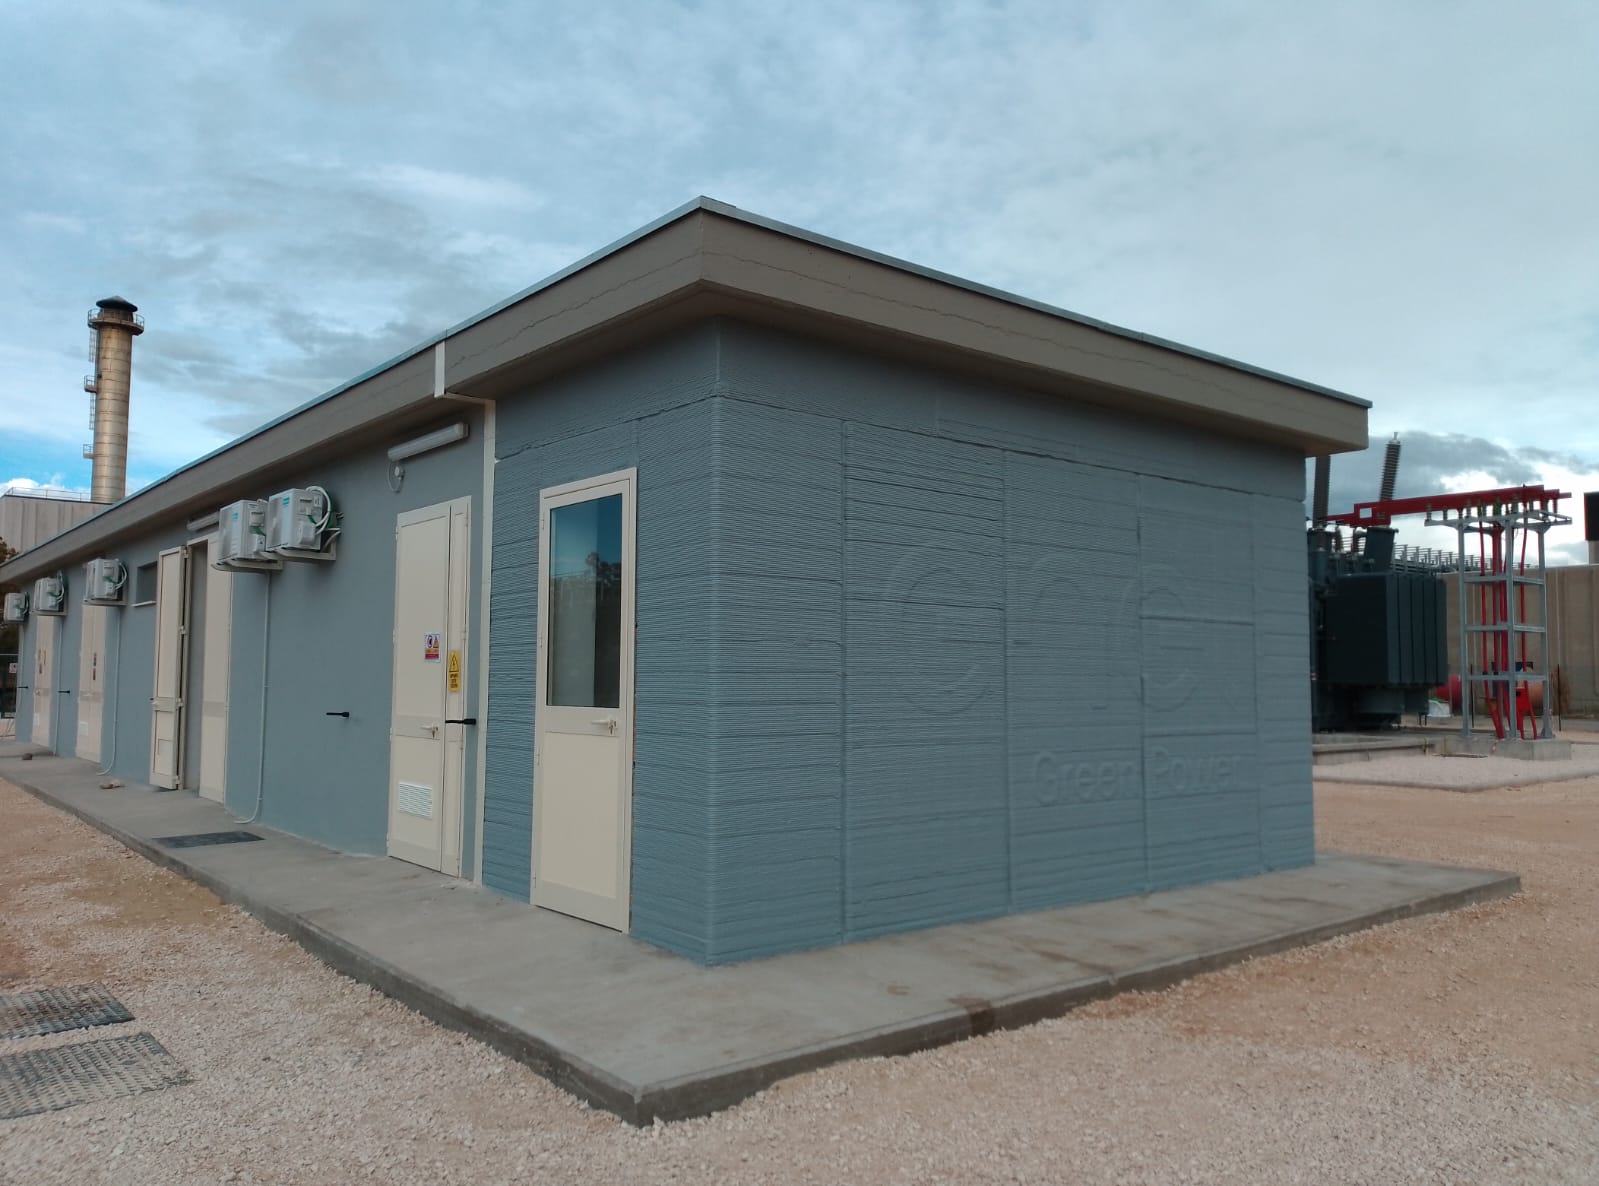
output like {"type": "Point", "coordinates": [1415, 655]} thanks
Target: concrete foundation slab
{"type": "Point", "coordinates": [1341, 749]}
{"type": "Point", "coordinates": [1542, 749]}
{"type": "Point", "coordinates": [648, 1035]}
{"type": "Point", "coordinates": [1463, 772]}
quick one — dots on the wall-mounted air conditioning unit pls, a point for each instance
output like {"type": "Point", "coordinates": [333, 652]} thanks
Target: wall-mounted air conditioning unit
{"type": "Point", "coordinates": [49, 596]}
{"type": "Point", "coordinates": [299, 525]}
{"type": "Point", "coordinates": [16, 607]}
{"type": "Point", "coordinates": [105, 582]}
{"type": "Point", "coordinates": [241, 538]}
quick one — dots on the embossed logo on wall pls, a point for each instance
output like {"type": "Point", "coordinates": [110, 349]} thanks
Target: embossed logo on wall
{"type": "Point", "coordinates": [1055, 781]}
{"type": "Point", "coordinates": [1197, 774]}
{"type": "Point", "coordinates": [938, 602]}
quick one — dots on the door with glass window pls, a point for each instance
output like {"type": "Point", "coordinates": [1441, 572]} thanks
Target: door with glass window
{"type": "Point", "coordinates": [583, 722]}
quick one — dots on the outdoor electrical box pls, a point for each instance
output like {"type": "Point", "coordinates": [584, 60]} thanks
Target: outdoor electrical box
{"type": "Point", "coordinates": [241, 535]}
{"type": "Point", "coordinates": [16, 607]}
{"type": "Point", "coordinates": [297, 523]}
{"type": "Point", "coordinates": [50, 596]}
{"type": "Point", "coordinates": [104, 582]}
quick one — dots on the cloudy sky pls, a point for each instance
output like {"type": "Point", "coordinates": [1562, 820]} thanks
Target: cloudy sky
{"type": "Point", "coordinates": [1400, 200]}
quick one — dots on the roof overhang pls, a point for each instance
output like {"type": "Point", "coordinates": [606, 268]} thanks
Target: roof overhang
{"type": "Point", "coordinates": [710, 260]}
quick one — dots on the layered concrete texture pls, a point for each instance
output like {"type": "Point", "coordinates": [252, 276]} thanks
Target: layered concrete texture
{"type": "Point", "coordinates": [649, 1036]}
{"type": "Point", "coordinates": [914, 647]}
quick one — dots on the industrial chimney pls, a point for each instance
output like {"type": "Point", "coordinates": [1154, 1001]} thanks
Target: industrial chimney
{"type": "Point", "coordinates": [115, 322]}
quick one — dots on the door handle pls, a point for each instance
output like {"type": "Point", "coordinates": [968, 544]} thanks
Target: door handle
{"type": "Point", "coordinates": [345, 714]}
{"type": "Point", "coordinates": [461, 721]}
{"type": "Point", "coordinates": [608, 722]}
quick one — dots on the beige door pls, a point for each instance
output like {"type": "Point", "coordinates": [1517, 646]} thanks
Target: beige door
{"type": "Point", "coordinates": [166, 700]}
{"type": "Point", "coordinates": [217, 669]}
{"type": "Point", "coordinates": [427, 742]}
{"type": "Point", "coordinates": [91, 681]}
{"type": "Point", "coordinates": [47, 630]}
{"type": "Point", "coordinates": [583, 731]}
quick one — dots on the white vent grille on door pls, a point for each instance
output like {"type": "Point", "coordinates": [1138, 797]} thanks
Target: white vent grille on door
{"type": "Point", "coordinates": [415, 798]}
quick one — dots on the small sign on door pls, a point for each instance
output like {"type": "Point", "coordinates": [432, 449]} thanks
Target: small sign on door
{"type": "Point", "coordinates": [455, 671]}
{"type": "Point", "coordinates": [430, 647]}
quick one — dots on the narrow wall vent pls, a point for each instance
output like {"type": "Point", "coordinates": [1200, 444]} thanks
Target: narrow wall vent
{"type": "Point", "coordinates": [415, 798]}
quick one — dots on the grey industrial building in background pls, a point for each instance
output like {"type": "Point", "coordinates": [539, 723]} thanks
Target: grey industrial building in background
{"type": "Point", "coordinates": [29, 515]}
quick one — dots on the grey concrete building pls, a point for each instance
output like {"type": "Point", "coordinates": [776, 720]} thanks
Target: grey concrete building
{"type": "Point", "coordinates": [736, 588]}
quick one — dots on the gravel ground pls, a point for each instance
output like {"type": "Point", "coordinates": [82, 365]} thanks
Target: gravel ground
{"type": "Point", "coordinates": [1461, 773]}
{"type": "Point", "coordinates": [1456, 1048]}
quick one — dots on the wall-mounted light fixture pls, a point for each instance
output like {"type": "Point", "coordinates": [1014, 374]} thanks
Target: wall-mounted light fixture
{"type": "Point", "coordinates": [426, 443]}
{"type": "Point", "coordinates": [437, 439]}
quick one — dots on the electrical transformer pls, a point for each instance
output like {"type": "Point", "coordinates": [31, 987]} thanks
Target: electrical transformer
{"type": "Point", "coordinates": [16, 609]}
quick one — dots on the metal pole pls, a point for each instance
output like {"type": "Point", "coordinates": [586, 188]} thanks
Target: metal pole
{"type": "Point", "coordinates": [1548, 658]}
{"type": "Point", "coordinates": [1508, 624]}
{"type": "Point", "coordinates": [1460, 626]}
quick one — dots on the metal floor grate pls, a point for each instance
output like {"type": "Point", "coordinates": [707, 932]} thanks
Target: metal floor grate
{"type": "Point", "coordinates": [106, 1069]}
{"type": "Point", "coordinates": [55, 1010]}
{"type": "Point", "coordinates": [198, 838]}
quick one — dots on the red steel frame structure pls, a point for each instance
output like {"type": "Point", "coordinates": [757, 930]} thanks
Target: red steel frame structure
{"type": "Point", "coordinates": [1494, 650]}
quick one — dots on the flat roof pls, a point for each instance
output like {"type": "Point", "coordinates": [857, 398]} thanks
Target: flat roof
{"type": "Point", "coordinates": [708, 259]}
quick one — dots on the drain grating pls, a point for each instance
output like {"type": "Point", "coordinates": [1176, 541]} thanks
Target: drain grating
{"type": "Point", "coordinates": [199, 838]}
{"type": "Point", "coordinates": [107, 1069]}
{"type": "Point", "coordinates": [54, 1010]}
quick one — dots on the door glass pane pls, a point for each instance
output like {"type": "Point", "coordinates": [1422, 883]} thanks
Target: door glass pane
{"type": "Point", "coordinates": [585, 600]}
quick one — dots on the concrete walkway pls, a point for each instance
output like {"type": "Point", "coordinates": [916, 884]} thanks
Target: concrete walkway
{"type": "Point", "coordinates": [649, 1035]}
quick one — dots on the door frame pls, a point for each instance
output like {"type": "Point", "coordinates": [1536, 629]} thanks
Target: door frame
{"type": "Point", "coordinates": [624, 482]}
{"type": "Point", "coordinates": [91, 679]}
{"type": "Point", "coordinates": [180, 737]}
{"type": "Point", "coordinates": [458, 624]}
{"type": "Point", "coordinates": [218, 594]}
{"type": "Point", "coordinates": [43, 623]}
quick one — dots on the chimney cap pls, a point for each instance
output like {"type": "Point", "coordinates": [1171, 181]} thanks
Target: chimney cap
{"type": "Point", "coordinates": [116, 302]}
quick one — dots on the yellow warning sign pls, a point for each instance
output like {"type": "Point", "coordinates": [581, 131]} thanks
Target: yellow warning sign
{"type": "Point", "coordinates": [455, 671]}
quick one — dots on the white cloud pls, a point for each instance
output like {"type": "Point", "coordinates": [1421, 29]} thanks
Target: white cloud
{"type": "Point", "coordinates": [47, 221]}
{"type": "Point", "coordinates": [443, 186]}
{"type": "Point", "coordinates": [56, 483]}
{"type": "Point", "coordinates": [1364, 194]}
